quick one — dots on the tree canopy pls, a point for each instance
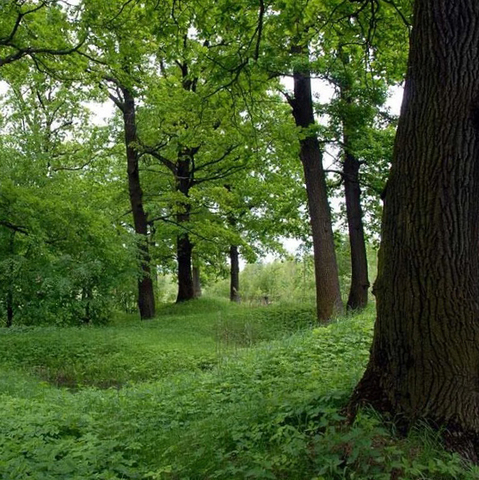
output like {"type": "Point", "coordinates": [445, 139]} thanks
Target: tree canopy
{"type": "Point", "coordinates": [199, 156]}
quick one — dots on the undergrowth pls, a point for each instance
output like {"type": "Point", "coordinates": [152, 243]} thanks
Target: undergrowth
{"type": "Point", "coordinates": [184, 338]}
{"type": "Point", "coordinates": [269, 411]}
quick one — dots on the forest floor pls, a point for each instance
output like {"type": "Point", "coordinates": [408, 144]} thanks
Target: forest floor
{"type": "Point", "coordinates": [207, 390]}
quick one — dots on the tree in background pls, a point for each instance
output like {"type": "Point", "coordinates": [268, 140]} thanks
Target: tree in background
{"type": "Point", "coordinates": [116, 64]}
{"type": "Point", "coordinates": [296, 21]}
{"type": "Point", "coordinates": [356, 115]}
{"type": "Point", "coordinates": [195, 84]}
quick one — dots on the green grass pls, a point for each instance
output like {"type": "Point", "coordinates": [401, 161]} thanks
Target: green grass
{"type": "Point", "coordinates": [183, 338]}
{"type": "Point", "coordinates": [206, 391]}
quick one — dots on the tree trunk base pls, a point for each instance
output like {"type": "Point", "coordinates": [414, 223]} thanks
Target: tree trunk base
{"type": "Point", "coordinates": [370, 394]}
{"type": "Point", "coordinates": [463, 443]}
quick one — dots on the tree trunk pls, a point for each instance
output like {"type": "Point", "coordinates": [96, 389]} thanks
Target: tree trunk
{"type": "Point", "coordinates": [186, 289]}
{"type": "Point", "coordinates": [358, 293]}
{"type": "Point", "coordinates": [234, 274]}
{"type": "Point", "coordinates": [196, 281]}
{"type": "Point", "coordinates": [185, 278]}
{"type": "Point", "coordinates": [424, 361]}
{"type": "Point", "coordinates": [86, 299]}
{"type": "Point", "coordinates": [10, 287]}
{"type": "Point", "coordinates": [146, 296]}
{"type": "Point", "coordinates": [9, 307]}
{"type": "Point", "coordinates": [328, 295]}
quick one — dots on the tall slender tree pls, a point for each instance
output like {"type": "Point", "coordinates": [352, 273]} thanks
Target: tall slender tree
{"type": "Point", "coordinates": [116, 65]}
{"type": "Point", "coordinates": [328, 293]}
{"type": "Point", "coordinates": [125, 101]}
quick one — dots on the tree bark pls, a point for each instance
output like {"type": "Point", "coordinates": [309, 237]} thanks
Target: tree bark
{"type": "Point", "coordinates": [234, 275]}
{"type": "Point", "coordinates": [146, 296]}
{"type": "Point", "coordinates": [328, 294]}
{"type": "Point", "coordinates": [186, 289]}
{"type": "Point", "coordinates": [358, 292]}
{"type": "Point", "coordinates": [425, 358]}
{"type": "Point", "coordinates": [185, 277]}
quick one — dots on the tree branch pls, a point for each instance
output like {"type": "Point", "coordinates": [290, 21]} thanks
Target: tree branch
{"type": "Point", "coordinates": [15, 228]}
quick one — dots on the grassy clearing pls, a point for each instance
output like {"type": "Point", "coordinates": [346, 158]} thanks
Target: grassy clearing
{"type": "Point", "coordinates": [272, 410]}
{"type": "Point", "coordinates": [185, 338]}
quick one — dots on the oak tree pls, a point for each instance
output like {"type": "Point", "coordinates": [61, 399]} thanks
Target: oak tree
{"type": "Point", "coordinates": [424, 361]}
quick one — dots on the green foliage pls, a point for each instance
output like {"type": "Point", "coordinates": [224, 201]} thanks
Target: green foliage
{"type": "Point", "coordinates": [184, 338]}
{"type": "Point", "coordinates": [63, 258]}
{"type": "Point", "coordinates": [283, 281]}
{"type": "Point", "coordinates": [208, 389]}
{"type": "Point", "coordinates": [273, 410]}
{"type": "Point", "coordinates": [289, 281]}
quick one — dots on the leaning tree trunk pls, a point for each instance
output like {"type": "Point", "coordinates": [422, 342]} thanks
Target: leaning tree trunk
{"type": "Point", "coordinates": [425, 358]}
{"type": "Point", "coordinates": [234, 275]}
{"type": "Point", "coordinates": [328, 294]}
{"type": "Point", "coordinates": [146, 297]}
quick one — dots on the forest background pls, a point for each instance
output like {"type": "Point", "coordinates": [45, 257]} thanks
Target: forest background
{"type": "Point", "coordinates": [217, 149]}
{"type": "Point", "coordinates": [203, 128]}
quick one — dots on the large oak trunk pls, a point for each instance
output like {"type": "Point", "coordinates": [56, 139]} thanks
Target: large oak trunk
{"type": "Point", "coordinates": [146, 297]}
{"type": "Point", "coordinates": [328, 295]}
{"type": "Point", "coordinates": [425, 357]}
{"type": "Point", "coordinates": [186, 289]}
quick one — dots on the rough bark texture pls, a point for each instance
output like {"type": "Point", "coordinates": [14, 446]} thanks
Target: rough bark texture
{"type": "Point", "coordinates": [328, 295]}
{"type": "Point", "coordinates": [425, 358]}
{"type": "Point", "coordinates": [146, 297]}
{"type": "Point", "coordinates": [186, 289]}
{"type": "Point", "coordinates": [358, 293]}
{"type": "Point", "coordinates": [234, 274]}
